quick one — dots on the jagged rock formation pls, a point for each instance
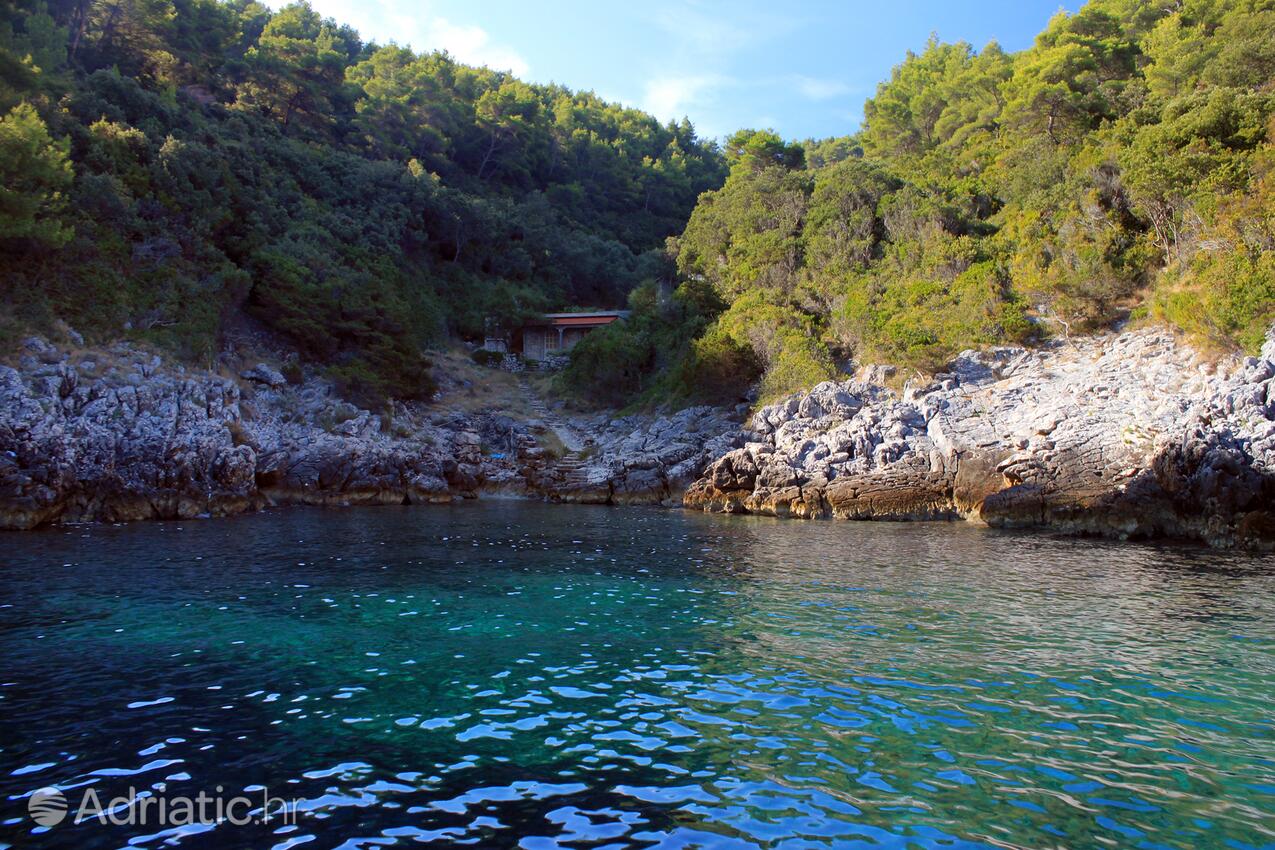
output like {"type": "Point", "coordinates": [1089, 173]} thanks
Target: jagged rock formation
{"type": "Point", "coordinates": [643, 460]}
{"type": "Point", "coordinates": [633, 459]}
{"type": "Point", "coordinates": [1126, 435]}
{"type": "Point", "coordinates": [117, 435]}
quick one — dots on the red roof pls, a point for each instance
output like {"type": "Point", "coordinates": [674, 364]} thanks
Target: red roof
{"type": "Point", "coordinates": [582, 321]}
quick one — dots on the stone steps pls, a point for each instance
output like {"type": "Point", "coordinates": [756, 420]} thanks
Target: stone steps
{"type": "Point", "coordinates": [571, 471]}
{"type": "Point", "coordinates": [550, 420]}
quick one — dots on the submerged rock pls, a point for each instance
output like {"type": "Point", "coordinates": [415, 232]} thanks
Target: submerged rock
{"type": "Point", "coordinates": [1125, 435]}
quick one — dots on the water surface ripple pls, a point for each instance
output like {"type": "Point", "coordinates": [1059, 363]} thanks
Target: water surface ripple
{"type": "Point", "coordinates": [521, 675]}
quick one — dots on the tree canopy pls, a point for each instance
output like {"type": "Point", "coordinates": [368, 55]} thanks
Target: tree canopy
{"type": "Point", "coordinates": [174, 169]}
{"type": "Point", "coordinates": [179, 170]}
{"type": "Point", "coordinates": [1121, 167]}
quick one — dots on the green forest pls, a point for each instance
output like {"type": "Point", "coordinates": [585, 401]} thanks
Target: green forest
{"type": "Point", "coordinates": [1121, 169]}
{"type": "Point", "coordinates": [170, 168]}
{"type": "Point", "coordinates": [173, 169]}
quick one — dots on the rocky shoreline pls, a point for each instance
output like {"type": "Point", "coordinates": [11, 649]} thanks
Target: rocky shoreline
{"type": "Point", "coordinates": [1129, 435]}
{"type": "Point", "coordinates": [117, 435]}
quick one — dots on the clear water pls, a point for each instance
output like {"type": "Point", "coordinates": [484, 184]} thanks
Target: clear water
{"type": "Point", "coordinates": [522, 675]}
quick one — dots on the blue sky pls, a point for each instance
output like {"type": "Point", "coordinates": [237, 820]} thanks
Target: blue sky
{"type": "Point", "coordinates": [803, 69]}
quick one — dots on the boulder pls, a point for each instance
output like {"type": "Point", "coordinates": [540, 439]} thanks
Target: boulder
{"type": "Point", "coordinates": [264, 374]}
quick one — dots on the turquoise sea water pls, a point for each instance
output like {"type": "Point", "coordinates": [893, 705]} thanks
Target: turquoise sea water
{"type": "Point", "coordinates": [525, 675]}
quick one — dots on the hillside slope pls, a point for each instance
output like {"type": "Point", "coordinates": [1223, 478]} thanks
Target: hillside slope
{"type": "Point", "coordinates": [1121, 167]}
{"type": "Point", "coordinates": [171, 168]}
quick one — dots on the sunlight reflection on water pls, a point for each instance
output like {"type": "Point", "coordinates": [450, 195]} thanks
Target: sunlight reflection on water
{"type": "Point", "coordinates": [513, 674]}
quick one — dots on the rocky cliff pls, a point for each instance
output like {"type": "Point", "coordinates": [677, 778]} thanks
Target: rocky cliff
{"type": "Point", "coordinates": [117, 434]}
{"type": "Point", "coordinates": [1130, 435]}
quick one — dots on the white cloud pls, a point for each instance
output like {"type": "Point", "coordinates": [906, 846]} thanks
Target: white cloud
{"type": "Point", "coordinates": [409, 22]}
{"type": "Point", "coordinates": [714, 49]}
{"type": "Point", "coordinates": [669, 98]}
{"type": "Point", "coordinates": [472, 45]}
{"type": "Point", "coordinates": [814, 88]}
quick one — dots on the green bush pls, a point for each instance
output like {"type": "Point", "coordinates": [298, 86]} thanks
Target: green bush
{"type": "Point", "coordinates": [1220, 300]}
{"type": "Point", "coordinates": [35, 175]}
{"type": "Point", "coordinates": [609, 365]}
{"type": "Point", "coordinates": [718, 369]}
{"type": "Point", "coordinates": [783, 339]}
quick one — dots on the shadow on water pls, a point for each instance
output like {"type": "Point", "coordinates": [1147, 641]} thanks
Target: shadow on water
{"type": "Point", "coordinates": [514, 674]}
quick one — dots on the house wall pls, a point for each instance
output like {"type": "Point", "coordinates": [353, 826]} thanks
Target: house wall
{"type": "Point", "coordinates": [537, 342]}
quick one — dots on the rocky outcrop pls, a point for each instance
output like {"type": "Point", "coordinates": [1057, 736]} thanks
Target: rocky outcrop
{"type": "Point", "coordinates": [1127, 435]}
{"type": "Point", "coordinates": [118, 435]}
{"type": "Point", "coordinates": [265, 374]}
{"type": "Point", "coordinates": [643, 460]}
